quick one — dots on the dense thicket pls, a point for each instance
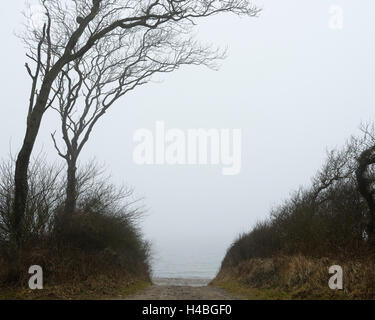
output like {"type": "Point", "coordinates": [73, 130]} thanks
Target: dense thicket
{"type": "Point", "coordinates": [101, 238]}
{"type": "Point", "coordinates": [327, 219]}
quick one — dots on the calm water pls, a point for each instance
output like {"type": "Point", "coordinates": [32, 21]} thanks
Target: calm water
{"type": "Point", "coordinates": [181, 282]}
{"type": "Point", "coordinates": [194, 262]}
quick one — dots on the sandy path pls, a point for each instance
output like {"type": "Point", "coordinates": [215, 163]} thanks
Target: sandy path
{"type": "Point", "coordinates": [157, 292]}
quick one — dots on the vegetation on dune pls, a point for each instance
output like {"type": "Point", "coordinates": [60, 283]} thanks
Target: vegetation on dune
{"type": "Point", "coordinates": [297, 277]}
{"type": "Point", "coordinates": [94, 288]}
{"type": "Point", "coordinates": [99, 251]}
{"type": "Point", "coordinates": [330, 222]}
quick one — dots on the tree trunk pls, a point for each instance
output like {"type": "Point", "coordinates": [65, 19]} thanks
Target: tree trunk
{"type": "Point", "coordinates": [71, 189]}
{"type": "Point", "coordinates": [365, 189]}
{"type": "Point", "coordinates": [23, 159]}
{"type": "Point", "coordinates": [21, 190]}
{"type": "Point", "coordinates": [21, 175]}
{"type": "Point", "coordinates": [33, 124]}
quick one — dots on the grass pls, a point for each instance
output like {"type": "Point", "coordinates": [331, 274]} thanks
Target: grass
{"type": "Point", "coordinates": [297, 277]}
{"type": "Point", "coordinates": [99, 288]}
{"type": "Point", "coordinates": [237, 289]}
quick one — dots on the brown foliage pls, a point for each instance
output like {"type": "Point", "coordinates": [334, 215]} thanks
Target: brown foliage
{"type": "Point", "coordinates": [102, 239]}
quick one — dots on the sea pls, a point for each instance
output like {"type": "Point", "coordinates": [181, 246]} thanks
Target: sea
{"type": "Point", "coordinates": [193, 265]}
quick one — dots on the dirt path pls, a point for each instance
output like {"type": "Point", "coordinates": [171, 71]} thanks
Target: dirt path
{"type": "Point", "coordinates": [157, 292]}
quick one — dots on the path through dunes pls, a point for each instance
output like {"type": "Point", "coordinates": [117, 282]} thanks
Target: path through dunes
{"type": "Point", "coordinates": [165, 289]}
{"type": "Point", "coordinates": [156, 292]}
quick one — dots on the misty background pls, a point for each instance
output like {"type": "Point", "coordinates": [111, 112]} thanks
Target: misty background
{"type": "Point", "coordinates": [293, 85]}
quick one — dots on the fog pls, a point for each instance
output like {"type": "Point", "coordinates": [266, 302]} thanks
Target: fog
{"type": "Point", "coordinates": [293, 85]}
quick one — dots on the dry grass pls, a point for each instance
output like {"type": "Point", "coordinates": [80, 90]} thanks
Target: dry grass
{"type": "Point", "coordinates": [75, 274]}
{"type": "Point", "coordinates": [297, 277]}
{"type": "Point", "coordinates": [100, 287]}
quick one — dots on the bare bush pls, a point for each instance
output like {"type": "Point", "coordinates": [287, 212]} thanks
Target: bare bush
{"type": "Point", "coordinates": [46, 193]}
{"type": "Point", "coordinates": [103, 237]}
{"type": "Point", "coordinates": [332, 217]}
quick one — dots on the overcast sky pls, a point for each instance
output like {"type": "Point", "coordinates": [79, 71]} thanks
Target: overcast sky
{"type": "Point", "coordinates": [292, 84]}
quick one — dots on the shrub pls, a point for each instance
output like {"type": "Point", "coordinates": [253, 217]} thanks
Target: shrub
{"type": "Point", "coordinates": [101, 238]}
{"type": "Point", "coordinates": [46, 194]}
{"type": "Point", "coordinates": [327, 219]}
{"type": "Point", "coordinates": [94, 233]}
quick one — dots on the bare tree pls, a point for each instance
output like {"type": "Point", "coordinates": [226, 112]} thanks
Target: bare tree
{"type": "Point", "coordinates": [366, 178]}
{"type": "Point", "coordinates": [71, 30]}
{"type": "Point", "coordinates": [340, 165]}
{"type": "Point", "coordinates": [89, 86]}
{"type": "Point", "coordinates": [353, 163]}
{"type": "Point", "coordinates": [95, 193]}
